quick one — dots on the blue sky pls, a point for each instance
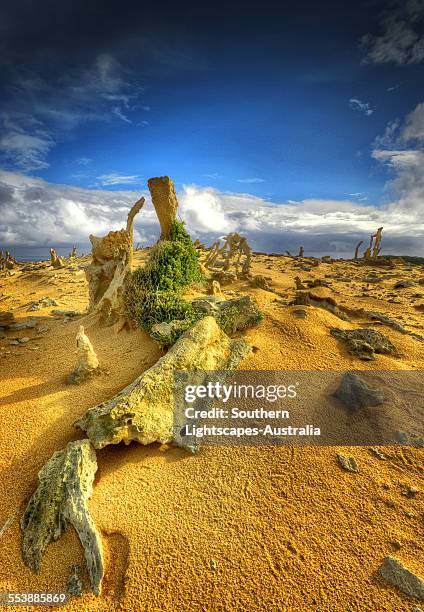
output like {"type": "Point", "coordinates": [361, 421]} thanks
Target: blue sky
{"type": "Point", "coordinates": [289, 103]}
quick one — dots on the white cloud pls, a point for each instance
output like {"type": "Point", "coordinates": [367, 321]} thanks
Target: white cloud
{"type": "Point", "coordinates": [113, 178]}
{"type": "Point", "coordinates": [414, 125]}
{"type": "Point", "coordinates": [39, 112]}
{"type": "Point", "coordinates": [360, 106]}
{"type": "Point", "coordinates": [34, 212]}
{"type": "Point", "coordinates": [27, 151]}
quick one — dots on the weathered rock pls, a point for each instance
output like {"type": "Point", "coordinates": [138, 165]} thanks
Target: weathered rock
{"type": "Point", "coordinates": [404, 284]}
{"type": "Point", "coordinates": [223, 277]}
{"type": "Point", "coordinates": [348, 463]}
{"type": "Point", "coordinates": [143, 411]}
{"type": "Point", "coordinates": [364, 343]}
{"type": "Point", "coordinates": [65, 483]}
{"type": "Point", "coordinates": [300, 313]}
{"type": "Point", "coordinates": [214, 288]}
{"type": "Point", "coordinates": [232, 315]}
{"type": "Point", "coordinates": [305, 298]}
{"type": "Point", "coordinates": [166, 333]}
{"type": "Point", "coordinates": [75, 585]}
{"type": "Point", "coordinates": [260, 281]}
{"type": "Point", "coordinates": [87, 362]}
{"type": "Point", "coordinates": [165, 201]}
{"type": "Point", "coordinates": [385, 320]}
{"type": "Point", "coordinates": [354, 393]}
{"type": "Point", "coordinates": [111, 262]}
{"type": "Point", "coordinates": [396, 574]}
{"type": "Point", "coordinates": [55, 260]}
{"type": "Point", "coordinates": [43, 302]}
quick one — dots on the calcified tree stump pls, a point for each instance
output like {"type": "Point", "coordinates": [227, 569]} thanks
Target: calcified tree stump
{"type": "Point", "coordinates": [235, 253]}
{"type": "Point", "coordinates": [65, 483]}
{"type": "Point", "coordinates": [165, 201]}
{"type": "Point", "coordinates": [112, 259]}
{"type": "Point", "coordinates": [55, 260]}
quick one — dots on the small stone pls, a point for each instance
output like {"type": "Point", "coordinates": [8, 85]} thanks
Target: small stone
{"type": "Point", "coordinates": [396, 574]}
{"type": "Point", "coordinates": [410, 491]}
{"type": "Point", "coordinates": [378, 453]}
{"type": "Point", "coordinates": [404, 284]}
{"type": "Point", "coordinates": [348, 463]}
{"type": "Point", "coordinates": [300, 313]}
{"type": "Point", "coordinates": [213, 565]}
{"type": "Point", "coordinates": [355, 393]}
{"type": "Point", "coordinates": [24, 340]}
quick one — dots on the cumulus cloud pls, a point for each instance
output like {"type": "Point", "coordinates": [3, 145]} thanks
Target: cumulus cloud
{"type": "Point", "coordinates": [34, 212]}
{"type": "Point", "coordinates": [400, 39]}
{"type": "Point", "coordinates": [39, 111]}
{"type": "Point", "coordinates": [362, 107]}
{"type": "Point", "coordinates": [401, 150]}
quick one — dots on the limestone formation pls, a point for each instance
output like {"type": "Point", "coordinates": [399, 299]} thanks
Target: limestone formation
{"type": "Point", "coordinates": [358, 246]}
{"type": "Point", "coordinates": [364, 343]}
{"type": "Point", "coordinates": [396, 574]}
{"type": "Point", "coordinates": [87, 362]}
{"type": "Point", "coordinates": [233, 315]}
{"type": "Point", "coordinates": [143, 411]}
{"type": "Point", "coordinates": [165, 201]}
{"type": "Point", "coordinates": [7, 261]}
{"type": "Point", "coordinates": [65, 484]}
{"type": "Point", "coordinates": [377, 244]}
{"type": "Point", "coordinates": [235, 253]}
{"type": "Point", "coordinates": [355, 393]}
{"type": "Point", "coordinates": [111, 262]}
{"type": "Point", "coordinates": [214, 288]}
{"type": "Point", "coordinates": [260, 282]}
{"type": "Point", "coordinates": [374, 248]}
{"type": "Point", "coordinates": [55, 260]}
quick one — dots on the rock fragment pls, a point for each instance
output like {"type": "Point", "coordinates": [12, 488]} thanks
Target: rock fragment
{"type": "Point", "coordinates": [364, 343]}
{"type": "Point", "coordinates": [65, 484]}
{"type": "Point", "coordinates": [395, 573]}
{"type": "Point", "coordinates": [87, 362]}
{"type": "Point", "coordinates": [348, 463]}
{"type": "Point", "coordinates": [355, 393]}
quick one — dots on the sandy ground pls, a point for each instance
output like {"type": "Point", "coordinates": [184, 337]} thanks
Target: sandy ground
{"type": "Point", "coordinates": [242, 528]}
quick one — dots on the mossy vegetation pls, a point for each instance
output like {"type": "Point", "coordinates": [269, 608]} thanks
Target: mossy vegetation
{"type": "Point", "coordinates": [154, 293]}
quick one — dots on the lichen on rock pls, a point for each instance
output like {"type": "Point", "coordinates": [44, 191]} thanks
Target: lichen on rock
{"type": "Point", "coordinates": [65, 484]}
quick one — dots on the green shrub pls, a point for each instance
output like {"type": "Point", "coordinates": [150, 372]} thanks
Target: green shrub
{"type": "Point", "coordinates": [153, 293]}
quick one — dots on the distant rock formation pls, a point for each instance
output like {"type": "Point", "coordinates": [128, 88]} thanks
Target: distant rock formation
{"type": "Point", "coordinates": [65, 484]}
{"type": "Point", "coordinates": [7, 261]}
{"type": "Point", "coordinates": [235, 253]}
{"type": "Point", "coordinates": [55, 260]}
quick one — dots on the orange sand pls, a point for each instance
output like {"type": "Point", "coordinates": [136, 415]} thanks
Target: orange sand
{"type": "Point", "coordinates": [275, 529]}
